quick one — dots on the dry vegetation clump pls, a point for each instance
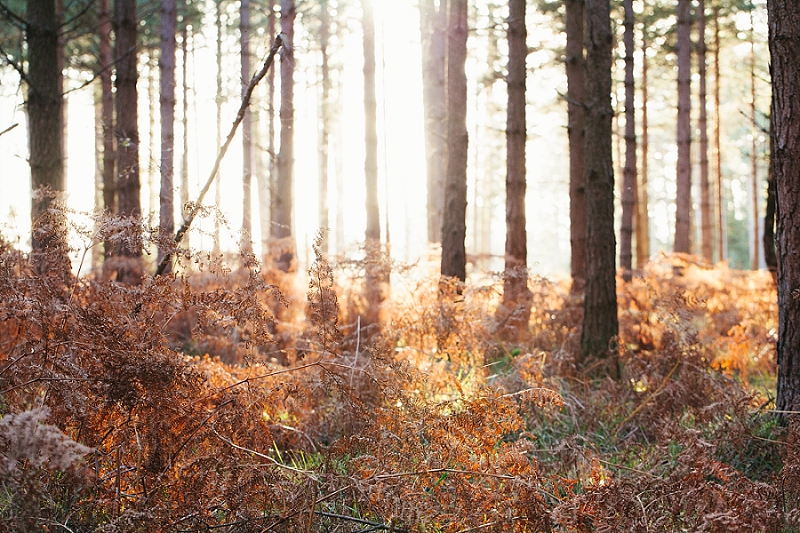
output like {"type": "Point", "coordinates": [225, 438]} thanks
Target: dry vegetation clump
{"type": "Point", "coordinates": [219, 399]}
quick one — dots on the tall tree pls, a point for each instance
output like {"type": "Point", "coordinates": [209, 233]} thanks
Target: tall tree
{"type": "Point", "coordinates": [266, 176]}
{"type": "Point", "coordinates": [184, 186]}
{"type": "Point", "coordinates": [642, 199]}
{"type": "Point", "coordinates": [454, 255]}
{"type": "Point", "coordinates": [576, 131]}
{"type": "Point", "coordinates": [282, 214]}
{"type": "Point", "coordinates": [784, 45]}
{"type": "Point", "coordinates": [433, 24]}
{"type": "Point", "coordinates": [754, 188]}
{"type": "Point", "coordinates": [706, 239]}
{"type": "Point", "coordinates": [720, 212]}
{"type": "Point", "coordinates": [45, 119]}
{"type": "Point", "coordinates": [600, 322]}
{"type": "Point", "coordinates": [683, 202]}
{"type": "Point", "coordinates": [166, 66]}
{"type": "Point", "coordinates": [770, 258]}
{"type": "Point", "coordinates": [107, 105]}
{"type": "Point", "coordinates": [324, 120]}
{"type": "Point", "coordinates": [516, 295]}
{"type": "Point", "coordinates": [629, 170]}
{"type": "Point", "coordinates": [247, 139]}
{"type": "Point", "coordinates": [373, 231]}
{"type": "Point", "coordinates": [129, 268]}
{"type": "Point", "coordinates": [218, 100]}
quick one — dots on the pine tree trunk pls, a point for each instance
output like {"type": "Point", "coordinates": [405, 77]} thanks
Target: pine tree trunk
{"type": "Point", "coordinates": [97, 252]}
{"type": "Point", "coordinates": [45, 128]}
{"type": "Point", "coordinates": [324, 123]}
{"type": "Point", "coordinates": [576, 131]}
{"type": "Point", "coordinates": [770, 258]}
{"type": "Point", "coordinates": [784, 44]}
{"type": "Point", "coordinates": [283, 251]}
{"type": "Point", "coordinates": [184, 187]}
{"type": "Point", "coordinates": [129, 267]}
{"type": "Point", "coordinates": [705, 196]}
{"type": "Point", "coordinates": [721, 240]}
{"type": "Point", "coordinates": [642, 199]}
{"type": "Point", "coordinates": [264, 175]}
{"type": "Point", "coordinates": [167, 101]}
{"type": "Point", "coordinates": [247, 140]}
{"type": "Point", "coordinates": [454, 257]}
{"type": "Point", "coordinates": [754, 198]}
{"type": "Point", "coordinates": [516, 295]}
{"type": "Point", "coordinates": [683, 202]}
{"type": "Point", "coordinates": [218, 101]}
{"type": "Point", "coordinates": [600, 323]}
{"type": "Point", "coordinates": [629, 170]}
{"type": "Point", "coordinates": [433, 21]}
{"type": "Point", "coordinates": [109, 157]}
{"type": "Point", "coordinates": [152, 162]}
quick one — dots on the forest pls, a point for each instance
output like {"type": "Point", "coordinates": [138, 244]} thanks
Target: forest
{"type": "Point", "coordinates": [443, 266]}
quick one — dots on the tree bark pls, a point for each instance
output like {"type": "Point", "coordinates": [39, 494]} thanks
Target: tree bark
{"type": "Point", "coordinates": [107, 104]}
{"type": "Point", "coordinates": [454, 257]}
{"type": "Point", "coordinates": [683, 207]}
{"type": "Point", "coordinates": [283, 250]}
{"type": "Point", "coordinates": [45, 132]}
{"type": "Point", "coordinates": [721, 240]}
{"type": "Point", "coordinates": [576, 132]}
{"type": "Point", "coordinates": [373, 231]}
{"type": "Point", "coordinates": [754, 241]}
{"type": "Point", "coordinates": [218, 100]}
{"type": "Point", "coordinates": [247, 139]}
{"type": "Point", "coordinates": [129, 268]}
{"type": "Point", "coordinates": [629, 170]}
{"type": "Point", "coordinates": [265, 176]}
{"type": "Point", "coordinates": [433, 24]}
{"type": "Point", "coordinates": [784, 44]}
{"type": "Point", "coordinates": [642, 199]}
{"type": "Point", "coordinates": [600, 323]}
{"type": "Point", "coordinates": [166, 66]}
{"type": "Point", "coordinates": [324, 122]}
{"type": "Point", "coordinates": [770, 258]}
{"type": "Point", "coordinates": [184, 187]}
{"type": "Point", "coordinates": [516, 295]}
{"type": "Point", "coordinates": [706, 239]}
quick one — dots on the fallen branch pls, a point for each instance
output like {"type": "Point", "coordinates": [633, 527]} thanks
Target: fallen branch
{"type": "Point", "coordinates": [279, 42]}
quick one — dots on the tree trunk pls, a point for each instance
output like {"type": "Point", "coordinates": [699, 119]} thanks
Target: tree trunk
{"type": "Point", "coordinates": [324, 122]}
{"type": "Point", "coordinates": [129, 267]}
{"type": "Point", "coordinates": [754, 241]}
{"type": "Point", "coordinates": [576, 132]}
{"type": "Point", "coordinates": [247, 139]}
{"type": "Point", "coordinates": [107, 103]}
{"type": "Point", "coordinates": [45, 125]}
{"type": "Point", "coordinates": [184, 188]}
{"type": "Point", "coordinates": [166, 65]}
{"type": "Point", "coordinates": [600, 323]}
{"type": "Point", "coordinates": [283, 250]}
{"type": "Point", "coordinates": [721, 240]}
{"type": "Point", "coordinates": [219, 99]}
{"type": "Point", "coordinates": [454, 256]}
{"type": "Point", "coordinates": [642, 200]}
{"type": "Point", "coordinates": [152, 162]}
{"type": "Point", "coordinates": [517, 297]}
{"type": "Point", "coordinates": [373, 230]}
{"type": "Point", "coordinates": [705, 203]}
{"type": "Point", "coordinates": [265, 177]}
{"type": "Point", "coordinates": [97, 252]}
{"type": "Point", "coordinates": [683, 202]}
{"type": "Point", "coordinates": [433, 24]}
{"type": "Point", "coordinates": [784, 44]}
{"type": "Point", "coordinates": [769, 215]}
{"type": "Point", "coordinates": [629, 170]}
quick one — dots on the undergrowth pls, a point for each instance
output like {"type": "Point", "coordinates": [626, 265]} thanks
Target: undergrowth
{"type": "Point", "coordinates": [222, 399]}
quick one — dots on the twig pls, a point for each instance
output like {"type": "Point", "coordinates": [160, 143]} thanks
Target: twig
{"type": "Point", "coordinates": [352, 519]}
{"type": "Point", "coordinates": [267, 457]}
{"type": "Point", "coordinates": [650, 397]}
{"type": "Point", "coordinates": [279, 42]}
{"type": "Point", "coordinates": [443, 470]}
{"type": "Point", "coordinates": [11, 127]}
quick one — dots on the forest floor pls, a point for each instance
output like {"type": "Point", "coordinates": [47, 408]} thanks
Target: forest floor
{"type": "Point", "coordinates": [253, 400]}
